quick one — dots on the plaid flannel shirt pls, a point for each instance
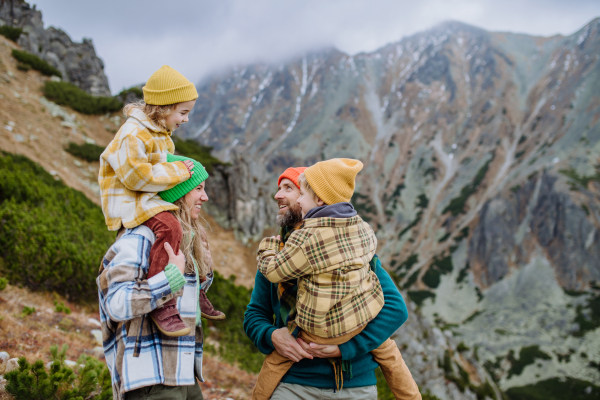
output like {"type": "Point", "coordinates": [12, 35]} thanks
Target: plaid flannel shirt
{"type": "Point", "coordinates": [133, 169]}
{"type": "Point", "coordinates": [337, 291]}
{"type": "Point", "coordinates": [137, 354]}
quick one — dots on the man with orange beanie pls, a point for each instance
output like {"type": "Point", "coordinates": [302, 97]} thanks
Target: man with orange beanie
{"type": "Point", "coordinates": [332, 258]}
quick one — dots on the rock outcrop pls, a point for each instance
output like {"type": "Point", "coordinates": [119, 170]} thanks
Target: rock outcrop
{"type": "Point", "coordinates": [77, 62]}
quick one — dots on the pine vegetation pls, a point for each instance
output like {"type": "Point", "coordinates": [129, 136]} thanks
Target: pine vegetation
{"type": "Point", "coordinates": [51, 236]}
{"type": "Point", "coordinates": [35, 62]}
{"type": "Point", "coordinates": [67, 94]}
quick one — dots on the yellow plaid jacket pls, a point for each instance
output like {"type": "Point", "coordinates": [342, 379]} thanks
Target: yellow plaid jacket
{"type": "Point", "coordinates": [337, 291]}
{"type": "Point", "coordinates": [133, 169]}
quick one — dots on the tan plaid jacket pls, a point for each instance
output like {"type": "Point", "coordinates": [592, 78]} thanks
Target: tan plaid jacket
{"type": "Point", "coordinates": [337, 291]}
{"type": "Point", "coordinates": [133, 169]}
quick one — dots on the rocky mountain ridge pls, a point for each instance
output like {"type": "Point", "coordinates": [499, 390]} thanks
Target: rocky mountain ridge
{"type": "Point", "coordinates": [481, 153]}
{"type": "Point", "coordinates": [77, 62]}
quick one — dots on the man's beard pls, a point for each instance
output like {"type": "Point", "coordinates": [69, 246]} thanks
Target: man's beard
{"type": "Point", "coordinates": [291, 217]}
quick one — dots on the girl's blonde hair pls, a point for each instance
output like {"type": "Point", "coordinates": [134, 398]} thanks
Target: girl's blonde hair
{"type": "Point", "coordinates": [304, 184]}
{"type": "Point", "coordinates": [157, 114]}
{"type": "Point", "coordinates": [192, 243]}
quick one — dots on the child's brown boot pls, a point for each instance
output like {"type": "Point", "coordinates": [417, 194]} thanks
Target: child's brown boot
{"type": "Point", "coordinates": [168, 320]}
{"type": "Point", "coordinates": [207, 309]}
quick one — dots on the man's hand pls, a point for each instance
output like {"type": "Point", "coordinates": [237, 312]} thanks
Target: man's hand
{"type": "Point", "coordinates": [286, 345]}
{"type": "Point", "coordinates": [320, 350]}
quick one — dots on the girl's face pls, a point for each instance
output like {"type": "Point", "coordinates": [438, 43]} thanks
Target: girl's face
{"type": "Point", "coordinates": [195, 198]}
{"type": "Point", "coordinates": [179, 115]}
{"type": "Point", "coordinates": [306, 202]}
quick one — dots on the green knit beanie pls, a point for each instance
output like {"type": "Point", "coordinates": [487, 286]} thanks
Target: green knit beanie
{"type": "Point", "coordinates": [180, 190]}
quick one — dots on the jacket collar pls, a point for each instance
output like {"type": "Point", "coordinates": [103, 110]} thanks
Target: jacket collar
{"type": "Point", "coordinates": [144, 120]}
{"type": "Point", "coordinates": [328, 222]}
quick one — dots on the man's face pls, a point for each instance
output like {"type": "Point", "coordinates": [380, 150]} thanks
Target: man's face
{"type": "Point", "coordinates": [289, 211]}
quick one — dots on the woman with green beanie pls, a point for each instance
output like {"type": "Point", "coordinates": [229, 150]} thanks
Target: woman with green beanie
{"type": "Point", "coordinates": [143, 361]}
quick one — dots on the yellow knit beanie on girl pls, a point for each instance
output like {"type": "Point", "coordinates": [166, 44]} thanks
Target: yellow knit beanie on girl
{"type": "Point", "coordinates": [167, 86]}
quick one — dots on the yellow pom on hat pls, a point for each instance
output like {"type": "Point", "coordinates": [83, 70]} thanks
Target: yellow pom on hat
{"type": "Point", "coordinates": [333, 180]}
{"type": "Point", "coordinates": [168, 86]}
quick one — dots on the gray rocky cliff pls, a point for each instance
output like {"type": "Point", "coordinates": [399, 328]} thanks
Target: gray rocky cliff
{"type": "Point", "coordinates": [77, 62]}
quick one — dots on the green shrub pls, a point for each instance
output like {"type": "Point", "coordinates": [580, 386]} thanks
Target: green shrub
{"type": "Point", "coordinates": [556, 389]}
{"type": "Point", "coordinates": [234, 345]}
{"type": "Point", "coordinates": [410, 261]}
{"type": "Point", "coordinates": [411, 279]}
{"type": "Point", "coordinates": [192, 149]}
{"type": "Point", "coordinates": [462, 347]}
{"type": "Point", "coordinates": [51, 236]}
{"type": "Point", "coordinates": [27, 311]}
{"type": "Point", "coordinates": [457, 204]}
{"type": "Point", "coordinates": [431, 278]}
{"type": "Point", "coordinates": [419, 296]}
{"type": "Point", "coordinates": [3, 283]}
{"type": "Point", "coordinates": [36, 63]}
{"type": "Point", "coordinates": [34, 382]}
{"type": "Point", "coordinates": [60, 307]}
{"type": "Point", "coordinates": [527, 356]}
{"type": "Point", "coordinates": [67, 94]}
{"type": "Point", "coordinates": [588, 322]}
{"type": "Point", "coordinates": [10, 32]}
{"type": "Point", "coordinates": [87, 151]}
{"type": "Point", "coordinates": [134, 91]}
{"type": "Point", "coordinates": [23, 67]}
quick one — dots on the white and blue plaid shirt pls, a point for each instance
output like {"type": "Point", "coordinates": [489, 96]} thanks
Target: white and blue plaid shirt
{"type": "Point", "coordinates": [137, 354]}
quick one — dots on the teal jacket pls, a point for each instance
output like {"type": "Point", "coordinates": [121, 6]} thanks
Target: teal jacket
{"type": "Point", "coordinates": [318, 372]}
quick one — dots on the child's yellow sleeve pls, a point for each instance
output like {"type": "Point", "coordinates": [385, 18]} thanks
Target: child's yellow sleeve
{"type": "Point", "coordinates": [280, 266]}
{"type": "Point", "coordinates": [141, 172]}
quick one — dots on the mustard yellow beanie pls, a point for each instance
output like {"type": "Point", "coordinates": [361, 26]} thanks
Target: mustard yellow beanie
{"type": "Point", "coordinates": [333, 180]}
{"type": "Point", "coordinates": [167, 86]}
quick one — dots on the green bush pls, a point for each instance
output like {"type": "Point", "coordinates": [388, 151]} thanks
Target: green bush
{"type": "Point", "coordinates": [134, 91]}
{"type": "Point", "coordinates": [527, 356]}
{"type": "Point", "coordinates": [192, 149]}
{"type": "Point", "coordinates": [87, 151]}
{"type": "Point", "coordinates": [36, 63]}
{"type": "Point", "coordinates": [432, 278]}
{"type": "Point", "coordinates": [10, 32]}
{"type": "Point", "coordinates": [3, 283]}
{"type": "Point", "coordinates": [234, 345]}
{"type": "Point", "coordinates": [27, 311]}
{"type": "Point", "coordinates": [23, 67]}
{"type": "Point", "coordinates": [588, 322]}
{"type": "Point", "coordinates": [556, 389]}
{"type": "Point", "coordinates": [34, 382]}
{"type": "Point", "coordinates": [419, 296]}
{"type": "Point", "coordinates": [51, 236]}
{"type": "Point", "coordinates": [60, 307]}
{"type": "Point", "coordinates": [67, 94]}
{"type": "Point", "coordinates": [457, 204]}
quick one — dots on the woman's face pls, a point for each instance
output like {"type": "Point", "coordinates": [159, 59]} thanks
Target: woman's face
{"type": "Point", "coordinates": [195, 198]}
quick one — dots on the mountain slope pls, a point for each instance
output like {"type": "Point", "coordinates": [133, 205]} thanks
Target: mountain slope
{"type": "Point", "coordinates": [481, 178]}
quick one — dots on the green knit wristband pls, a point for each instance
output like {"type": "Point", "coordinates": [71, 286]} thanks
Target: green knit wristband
{"type": "Point", "coordinates": [175, 277]}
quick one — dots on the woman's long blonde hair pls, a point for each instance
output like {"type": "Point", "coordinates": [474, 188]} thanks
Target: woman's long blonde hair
{"type": "Point", "coordinates": [157, 114]}
{"type": "Point", "coordinates": [194, 235]}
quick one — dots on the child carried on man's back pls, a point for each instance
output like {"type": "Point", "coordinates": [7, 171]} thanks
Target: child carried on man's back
{"type": "Point", "coordinates": [338, 292]}
{"type": "Point", "coordinates": [134, 168]}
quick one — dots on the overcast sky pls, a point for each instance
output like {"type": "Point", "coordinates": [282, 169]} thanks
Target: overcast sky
{"type": "Point", "coordinates": [196, 37]}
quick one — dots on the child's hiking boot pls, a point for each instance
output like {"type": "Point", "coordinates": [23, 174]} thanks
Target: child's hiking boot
{"type": "Point", "coordinates": [168, 320]}
{"type": "Point", "coordinates": [207, 309]}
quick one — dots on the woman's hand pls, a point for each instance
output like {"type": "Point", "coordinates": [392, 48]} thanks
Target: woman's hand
{"type": "Point", "coordinates": [320, 350]}
{"type": "Point", "coordinates": [178, 260]}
